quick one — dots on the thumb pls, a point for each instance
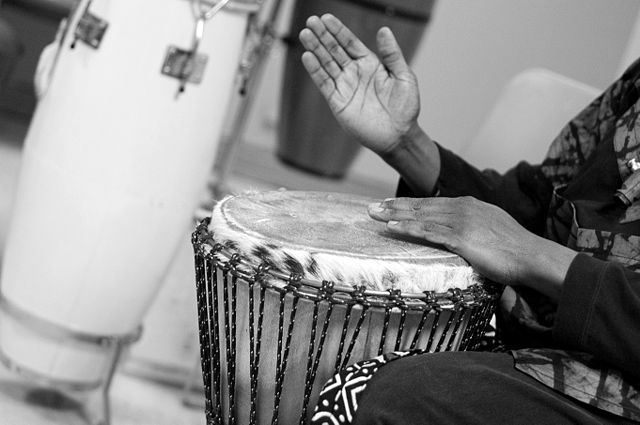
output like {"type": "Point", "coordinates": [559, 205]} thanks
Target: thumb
{"type": "Point", "coordinates": [390, 52]}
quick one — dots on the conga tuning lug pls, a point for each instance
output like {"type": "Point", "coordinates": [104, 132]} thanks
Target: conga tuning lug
{"type": "Point", "coordinates": [184, 65]}
{"type": "Point", "coordinates": [90, 30]}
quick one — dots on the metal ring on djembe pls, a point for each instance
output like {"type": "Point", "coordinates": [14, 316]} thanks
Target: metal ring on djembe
{"type": "Point", "coordinates": [357, 317]}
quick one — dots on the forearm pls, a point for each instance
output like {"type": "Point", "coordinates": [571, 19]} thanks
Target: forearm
{"type": "Point", "coordinates": [524, 192]}
{"type": "Point", "coordinates": [543, 265]}
{"type": "Point", "coordinates": [417, 159]}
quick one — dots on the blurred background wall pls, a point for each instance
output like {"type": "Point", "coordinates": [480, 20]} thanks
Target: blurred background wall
{"type": "Point", "coordinates": [472, 48]}
{"type": "Point", "coordinates": [470, 51]}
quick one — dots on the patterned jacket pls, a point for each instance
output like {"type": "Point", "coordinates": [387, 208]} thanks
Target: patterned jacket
{"type": "Point", "coordinates": [585, 195]}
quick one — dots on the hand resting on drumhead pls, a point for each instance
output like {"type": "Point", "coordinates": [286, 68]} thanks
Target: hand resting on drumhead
{"type": "Point", "coordinates": [376, 99]}
{"type": "Point", "coordinates": [494, 243]}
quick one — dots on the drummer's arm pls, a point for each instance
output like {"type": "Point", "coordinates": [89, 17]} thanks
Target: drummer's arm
{"type": "Point", "coordinates": [524, 192]}
{"type": "Point", "coordinates": [417, 160]}
{"type": "Point", "coordinates": [598, 312]}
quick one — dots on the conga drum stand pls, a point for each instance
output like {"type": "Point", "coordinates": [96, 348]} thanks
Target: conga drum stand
{"type": "Point", "coordinates": [113, 345]}
{"type": "Point", "coordinates": [260, 39]}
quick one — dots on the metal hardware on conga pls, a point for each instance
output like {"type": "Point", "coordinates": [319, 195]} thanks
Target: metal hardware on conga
{"type": "Point", "coordinates": [90, 29]}
{"type": "Point", "coordinates": [188, 65]}
{"type": "Point", "coordinates": [271, 333]}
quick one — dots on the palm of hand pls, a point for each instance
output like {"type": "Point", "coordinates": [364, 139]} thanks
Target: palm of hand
{"type": "Point", "coordinates": [374, 106]}
{"type": "Point", "coordinates": [376, 101]}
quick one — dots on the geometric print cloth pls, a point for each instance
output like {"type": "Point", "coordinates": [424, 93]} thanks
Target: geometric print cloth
{"type": "Point", "coordinates": [338, 400]}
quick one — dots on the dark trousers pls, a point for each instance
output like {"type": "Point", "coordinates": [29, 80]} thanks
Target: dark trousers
{"type": "Point", "coordinates": [467, 388]}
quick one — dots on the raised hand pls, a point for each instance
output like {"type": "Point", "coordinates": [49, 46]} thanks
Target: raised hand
{"type": "Point", "coordinates": [483, 234]}
{"type": "Point", "coordinates": [374, 98]}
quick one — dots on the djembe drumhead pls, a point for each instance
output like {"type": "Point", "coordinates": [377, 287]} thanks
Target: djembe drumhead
{"type": "Point", "coordinates": [329, 236]}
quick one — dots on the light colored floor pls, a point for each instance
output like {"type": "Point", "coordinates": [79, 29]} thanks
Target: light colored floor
{"type": "Point", "coordinates": [134, 401]}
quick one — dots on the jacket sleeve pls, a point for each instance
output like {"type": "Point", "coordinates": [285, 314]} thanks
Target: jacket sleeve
{"type": "Point", "coordinates": [524, 191]}
{"type": "Point", "coordinates": [599, 313]}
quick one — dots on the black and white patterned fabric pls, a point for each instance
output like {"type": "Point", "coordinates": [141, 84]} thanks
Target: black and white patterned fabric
{"type": "Point", "coordinates": [338, 400]}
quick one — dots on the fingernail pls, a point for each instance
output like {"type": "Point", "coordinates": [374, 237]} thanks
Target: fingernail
{"type": "Point", "coordinates": [388, 202]}
{"type": "Point", "coordinates": [393, 223]}
{"type": "Point", "coordinates": [375, 207]}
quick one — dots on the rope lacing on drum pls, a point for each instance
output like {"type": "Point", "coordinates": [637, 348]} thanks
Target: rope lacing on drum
{"type": "Point", "coordinates": [230, 309]}
{"type": "Point", "coordinates": [326, 291]}
{"type": "Point", "coordinates": [359, 296]}
{"type": "Point", "coordinates": [255, 337]}
{"type": "Point", "coordinates": [217, 304]}
{"type": "Point", "coordinates": [394, 296]}
{"type": "Point", "coordinates": [293, 283]}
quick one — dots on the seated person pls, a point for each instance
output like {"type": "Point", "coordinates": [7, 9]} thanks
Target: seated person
{"type": "Point", "coordinates": [563, 237]}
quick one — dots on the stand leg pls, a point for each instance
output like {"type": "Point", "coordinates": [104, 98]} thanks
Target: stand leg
{"type": "Point", "coordinates": [103, 411]}
{"type": "Point", "coordinates": [257, 47]}
{"type": "Point", "coordinates": [192, 394]}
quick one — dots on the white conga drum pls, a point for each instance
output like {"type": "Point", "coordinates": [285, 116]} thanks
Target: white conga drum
{"type": "Point", "coordinates": [294, 286]}
{"type": "Point", "coordinates": [114, 163]}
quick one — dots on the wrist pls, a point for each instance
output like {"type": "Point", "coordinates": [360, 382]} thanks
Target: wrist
{"type": "Point", "coordinates": [410, 140]}
{"type": "Point", "coordinates": [545, 269]}
{"type": "Point", "coordinates": [416, 158]}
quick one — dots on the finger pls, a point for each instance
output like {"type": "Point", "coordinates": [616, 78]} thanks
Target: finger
{"type": "Point", "coordinates": [318, 75]}
{"type": "Point", "coordinates": [427, 205]}
{"type": "Point", "coordinates": [312, 43]}
{"type": "Point", "coordinates": [390, 52]}
{"type": "Point", "coordinates": [431, 232]}
{"type": "Point", "coordinates": [410, 204]}
{"type": "Point", "coordinates": [439, 218]}
{"type": "Point", "coordinates": [328, 41]}
{"type": "Point", "coordinates": [351, 44]}
{"type": "Point", "coordinates": [377, 212]}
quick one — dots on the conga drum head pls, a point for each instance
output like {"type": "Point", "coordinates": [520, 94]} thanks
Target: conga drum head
{"type": "Point", "coordinates": [329, 236]}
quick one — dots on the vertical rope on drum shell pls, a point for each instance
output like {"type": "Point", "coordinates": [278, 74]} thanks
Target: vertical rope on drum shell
{"type": "Point", "coordinates": [403, 317]}
{"type": "Point", "coordinates": [204, 324]}
{"type": "Point", "coordinates": [228, 328]}
{"type": "Point", "coordinates": [385, 328]}
{"type": "Point", "coordinates": [215, 317]}
{"type": "Point", "coordinates": [360, 298]}
{"type": "Point", "coordinates": [445, 331]}
{"type": "Point", "coordinates": [255, 339]}
{"type": "Point", "coordinates": [311, 348]}
{"type": "Point", "coordinates": [436, 323]}
{"type": "Point", "coordinates": [479, 311]}
{"type": "Point", "coordinates": [234, 342]}
{"type": "Point", "coordinates": [326, 291]}
{"type": "Point", "coordinates": [316, 363]}
{"type": "Point", "coordinates": [343, 336]}
{"type": "Point", "coordinates": [460, 310]}
{"type": "Point", "coordinates": [416, 335]}
{"type": "Point", "coordinates": [281, 362]}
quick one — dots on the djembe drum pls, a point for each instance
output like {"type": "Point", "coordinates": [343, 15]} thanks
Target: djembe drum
{"type": "Point", "coordinates": [293, 286]}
